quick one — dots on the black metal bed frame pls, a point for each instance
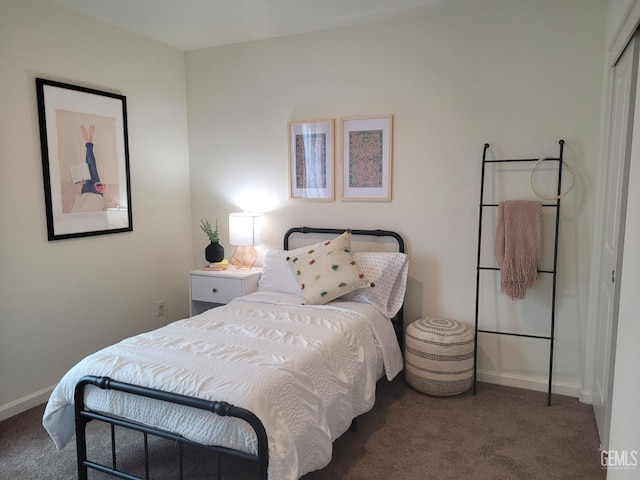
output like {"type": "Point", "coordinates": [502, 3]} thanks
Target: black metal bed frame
{"type": "Point", "coordinates": [261, 459]}
{"type": "Point", "coordinates": [224, 409]}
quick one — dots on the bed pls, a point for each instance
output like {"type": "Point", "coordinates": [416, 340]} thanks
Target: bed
{"type": "Point", "coordinates": [273, 377]}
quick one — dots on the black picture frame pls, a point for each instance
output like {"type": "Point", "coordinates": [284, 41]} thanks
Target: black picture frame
{"type": "Point", "coordinates": [85, 160]}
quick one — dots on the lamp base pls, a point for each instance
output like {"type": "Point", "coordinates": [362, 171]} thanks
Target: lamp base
{"type": "Point", "coordinates": [244, 258]}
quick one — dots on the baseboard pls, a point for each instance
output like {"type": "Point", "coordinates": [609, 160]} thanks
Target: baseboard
{"type": "Point", "coordinates": [586, 396]}
{"type": "Point", "coordinates": [25, 403]}
{"type": "Point", "coordinates": [529, 383]}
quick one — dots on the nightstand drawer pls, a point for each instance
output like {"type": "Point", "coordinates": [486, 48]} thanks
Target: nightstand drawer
{"type": "Point", "coordinates": [212, 288]}
{"type": "Point", "coordinates": [215, 289]}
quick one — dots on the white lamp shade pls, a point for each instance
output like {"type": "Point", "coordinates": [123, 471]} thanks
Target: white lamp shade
{"type": "Point", "coordinates": [245, 229]}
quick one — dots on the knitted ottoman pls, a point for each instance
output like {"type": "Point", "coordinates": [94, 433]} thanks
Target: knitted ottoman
{"type": "Point", "coordinates": [439, 356]}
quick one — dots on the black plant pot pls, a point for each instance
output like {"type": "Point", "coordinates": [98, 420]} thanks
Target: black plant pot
{"type": "Point", "coordinates": [214, 252]}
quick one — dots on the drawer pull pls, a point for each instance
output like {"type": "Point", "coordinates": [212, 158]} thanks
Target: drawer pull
{"type": "Point", "coordinates": [214, 290]}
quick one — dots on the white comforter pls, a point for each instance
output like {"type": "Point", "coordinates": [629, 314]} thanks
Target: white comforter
{"type": "Point", "coordinates": [305, 371]}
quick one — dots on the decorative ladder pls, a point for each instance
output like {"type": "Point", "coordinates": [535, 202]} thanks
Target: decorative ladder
{"type": "Point", "coordinates": [552, 272]}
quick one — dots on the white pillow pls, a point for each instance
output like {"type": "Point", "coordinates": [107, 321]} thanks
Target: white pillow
{"type": "Point", "coordinates": [326, 270]}
{"type": "Point", "coordinates": [388, 272]}
{"type": "Point", "coordinates": [276, 274]}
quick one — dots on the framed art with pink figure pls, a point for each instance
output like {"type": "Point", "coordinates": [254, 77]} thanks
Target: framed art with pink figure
{"type": "Point", "coordinates": [367, 150]}
{"type": "Point", "coordinates": [85, 160]}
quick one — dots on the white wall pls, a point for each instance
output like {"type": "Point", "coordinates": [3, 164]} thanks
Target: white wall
{"type": "Point", "coordinates": [62, 300]}
{"type": "Point", "coordinates": [519, 75]}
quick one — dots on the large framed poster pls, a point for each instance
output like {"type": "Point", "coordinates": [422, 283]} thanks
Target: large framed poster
{"type": "Point", "coordinates": [85, 160]}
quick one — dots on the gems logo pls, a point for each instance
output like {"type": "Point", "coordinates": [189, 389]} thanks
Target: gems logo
{"type": "Point", "coordinates": [620, 459]}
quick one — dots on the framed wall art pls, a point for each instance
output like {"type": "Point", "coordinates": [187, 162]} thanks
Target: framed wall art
{"type": "Point", "coordinates": [85, 160]}
{"type": "Point", "coordinates": [367, 146]}
{"type": "Point", "coordinates": [311, 160]}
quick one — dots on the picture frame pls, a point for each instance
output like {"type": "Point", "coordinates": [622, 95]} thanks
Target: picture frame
{"type": "Point", "coordinates": [85, 160]}
{"type": "Point", "coordinates": [367, 157]}
{"type": "Point", "coordinates": [311, 160]}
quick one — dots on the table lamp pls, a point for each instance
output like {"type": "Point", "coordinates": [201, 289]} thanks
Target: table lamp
{"type": "Point", "coordinates": [244, 233]}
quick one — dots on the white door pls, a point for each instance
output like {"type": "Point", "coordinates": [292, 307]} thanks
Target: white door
{"type": "Point", "coordinates": [619, 151]}
{"type": "Point", "coordinates": [625, 415]}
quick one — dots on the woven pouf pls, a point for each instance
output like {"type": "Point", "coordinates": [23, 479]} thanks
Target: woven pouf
{"type": "Point", "coordinates": [439, 356]}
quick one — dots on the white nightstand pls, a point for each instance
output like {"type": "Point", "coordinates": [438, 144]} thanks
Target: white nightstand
{"type": "Point", "coordinates": [211, 288]}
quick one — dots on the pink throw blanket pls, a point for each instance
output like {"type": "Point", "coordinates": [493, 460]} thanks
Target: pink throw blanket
{"type": "Point", "coordinates": [518, 245]}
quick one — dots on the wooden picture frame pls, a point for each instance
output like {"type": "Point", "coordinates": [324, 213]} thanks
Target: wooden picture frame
{"type": "Point", "coordinates": [85, 160]}
{"type": "Point", "coordinates": [311, 160]}
{"type": "Point", "coordinates": [367, 157]}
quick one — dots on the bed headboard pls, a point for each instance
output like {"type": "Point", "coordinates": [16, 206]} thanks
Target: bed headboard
{"type": "Point", "coordinates": [383, 240]}
{"type": "Point", "coordinates": [361, 240]}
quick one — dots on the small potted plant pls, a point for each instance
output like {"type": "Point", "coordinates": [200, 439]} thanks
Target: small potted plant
{"type": "Point", "coordinates": [214, 252]}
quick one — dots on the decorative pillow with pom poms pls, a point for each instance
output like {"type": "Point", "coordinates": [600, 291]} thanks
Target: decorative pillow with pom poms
{"type": "Point", "coordinates": [327, 270]}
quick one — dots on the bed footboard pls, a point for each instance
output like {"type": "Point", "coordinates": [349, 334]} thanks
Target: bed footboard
{"type": "Point", "coordinates": [84, 416]}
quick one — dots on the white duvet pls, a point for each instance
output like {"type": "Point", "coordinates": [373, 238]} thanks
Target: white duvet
{"type": "Point", "coordinates": [305, 371]}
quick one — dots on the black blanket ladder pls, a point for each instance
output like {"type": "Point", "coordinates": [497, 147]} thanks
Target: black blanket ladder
{"type": "Point", "coordinates": [555, 204]}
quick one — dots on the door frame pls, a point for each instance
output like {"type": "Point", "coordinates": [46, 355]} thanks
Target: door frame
{"type": "Point", "coordinates": [624, 35]}
{"type": "Point", "coordinates": [616, 47]}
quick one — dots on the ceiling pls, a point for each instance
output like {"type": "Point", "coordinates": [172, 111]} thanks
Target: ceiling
{"type": "Point", "coordinates": [192, 24]}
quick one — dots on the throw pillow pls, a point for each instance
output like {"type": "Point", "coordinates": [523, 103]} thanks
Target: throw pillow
{"type": "Point", "coordinates": [327, 270]}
